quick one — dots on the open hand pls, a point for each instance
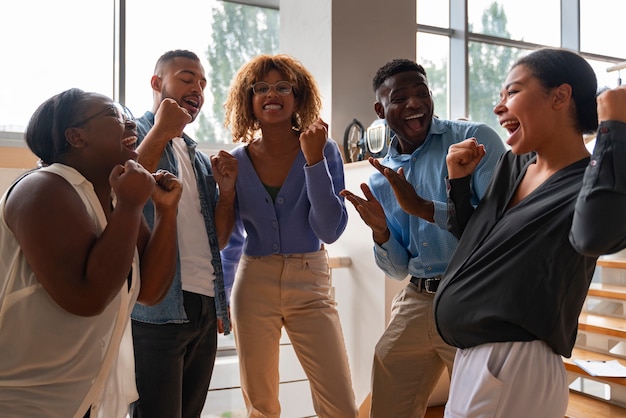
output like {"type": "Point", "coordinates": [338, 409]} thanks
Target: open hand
{"type": "Point", "coordinates": [371, 211]}
{"type": "Point", "coordinates": [405, 193]}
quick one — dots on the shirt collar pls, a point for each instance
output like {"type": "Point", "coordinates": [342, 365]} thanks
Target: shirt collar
{"type": "Point", "coordinates": [437, 127]}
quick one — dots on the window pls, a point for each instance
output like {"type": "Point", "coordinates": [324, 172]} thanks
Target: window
{"type": "Point", "coordinates": [535, 21]}
{"type": "Point", "coordinates": [217, 31]}
{"type": "Point", "coordinates": [73, 49]}
{"type": "Point", "coordinates": [80, 48]}
{"type": "Point", "coordinates": [154, 27]}
{"type": "Point", "coordinates": [488, 67]}
{"type": "Point", "coordinates": [601, 27]}
{"type": "Point", "coordinates": [433, 55]}
{"type": "Point", "coordinates": [498, 32]}
{"type": "Point", "coordinates": [606, 79]}
{"type": "Point", "coordinates": [433, 13]}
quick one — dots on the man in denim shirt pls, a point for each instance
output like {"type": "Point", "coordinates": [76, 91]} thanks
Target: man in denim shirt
{"type": "Point", "coordinates": [176, 340]}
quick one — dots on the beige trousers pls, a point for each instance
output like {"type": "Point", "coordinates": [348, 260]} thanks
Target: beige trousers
{"type": "Point", "coordinates": [291, 291]}
{"type": "Point", "coordinates": [409, 358]}
{"type": "Point", "coordinates": [508, 380]}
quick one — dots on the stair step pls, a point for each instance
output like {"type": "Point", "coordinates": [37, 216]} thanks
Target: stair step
{"type": "Point", "coordinates": [608, 307]}
{"type": "Point", "coordinates": [611, 390]}
{"type": "Point", "coordinates": [612, 272]}
{"type": "Point", "coordinates": [607, 291]}
{"type": "Point", "coordinates": [582, 354]}
{"type": "Point", "coordinates": [615, 327]}
{"type": "Point", "coordinates": [611, 263]}
{"type": "Point", "coordinates": [582, 406]}
{"type": "Point", "coordinates": [602, 327]}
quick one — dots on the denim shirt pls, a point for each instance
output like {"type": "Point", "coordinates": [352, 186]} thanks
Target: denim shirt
{"type": "Point", "coordinates": [171, 308]}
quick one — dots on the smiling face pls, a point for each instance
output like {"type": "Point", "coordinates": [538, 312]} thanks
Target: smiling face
{"type": "Point", "coordinates": [524, 111]}
{"type": "Point", "coordinates": [272, 107]}
{"type": "Point", "coordinates": [104, 131]}
{"type": "Point", "coordinates": [404, 100]}
{"type": "Point", "coordinates": [181, 79]}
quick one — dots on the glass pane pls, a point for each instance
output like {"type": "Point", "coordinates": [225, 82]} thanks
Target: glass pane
{"type": "Point", "coordinates": [150, 32]}
{"type": "Point", "coordinates": [51, 46]}
{"type": "Point", "coordinates": [433, 13]}
{"type": "Point", "coordinates": [488, 67]}
{"type": "Point", "coordinates": [218, 32]}
{"type": "Point", "coordinates": [433, 53]}
{"type": "Point", "coordinates": [606, 79]}
{"type": "Point", "coordinates": [602, 27]}
{"type": "Point", "coordinates": [536, 21]}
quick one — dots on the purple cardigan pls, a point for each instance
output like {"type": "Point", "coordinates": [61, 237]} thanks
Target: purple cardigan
{"type": "Point", "coordinates": [306, 212]}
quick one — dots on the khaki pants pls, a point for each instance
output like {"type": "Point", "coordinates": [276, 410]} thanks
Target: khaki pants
{"type": "Point", "coordinates": [508, 380]}
{"type": "Point", "coordinates": [291, 291]}
{"type": "Point", "coordinates": [409, 358]}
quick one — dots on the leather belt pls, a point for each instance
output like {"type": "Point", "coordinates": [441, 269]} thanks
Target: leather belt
{"type": "Point", "coordinates": [426, 284]}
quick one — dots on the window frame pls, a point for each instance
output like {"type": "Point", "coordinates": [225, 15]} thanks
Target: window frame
{"type": "Point", "coordinates": [460, 37]}
{"type": "Point", "coordinates": [457, 32]}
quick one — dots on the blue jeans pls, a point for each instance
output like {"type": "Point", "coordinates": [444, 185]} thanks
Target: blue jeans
{"type": "Point", "coordinates": [174, 362]}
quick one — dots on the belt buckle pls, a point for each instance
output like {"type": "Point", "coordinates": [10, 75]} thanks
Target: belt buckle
{"type": "Point", "coordinates": [430, 285]}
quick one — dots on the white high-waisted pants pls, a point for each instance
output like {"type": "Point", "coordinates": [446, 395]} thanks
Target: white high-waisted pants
{"type": "Point", "coordinates": [508, 380]}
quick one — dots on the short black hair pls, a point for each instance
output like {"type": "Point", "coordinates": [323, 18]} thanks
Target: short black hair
{"type": "Point", "coordinates": [393, 67]}
{"type": "Point", "coordinates": [175, 53]}
{"type": "Point", "coordinates": [45, 133]}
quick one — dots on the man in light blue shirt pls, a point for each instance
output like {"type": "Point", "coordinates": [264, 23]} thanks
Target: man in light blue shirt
{"type": "Point", "coordinates": [410, 356]}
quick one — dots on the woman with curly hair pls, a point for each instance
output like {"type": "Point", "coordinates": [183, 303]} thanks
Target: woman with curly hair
{"type": "Point", "coordinates": [288, 204]}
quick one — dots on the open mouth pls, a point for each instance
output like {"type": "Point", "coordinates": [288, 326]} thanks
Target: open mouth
{"type": "Point", "coordinates": [415, 122]}
{"type": "Point", "coordinates": [192, 105]}
{"type": "Point", "coordinates": [130, 142]}
{"type": "Point", "coordinates": [510, 125]}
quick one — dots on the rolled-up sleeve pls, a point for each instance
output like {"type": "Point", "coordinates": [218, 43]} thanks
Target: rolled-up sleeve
{"type": "Point", "coordinates": [599, 223]}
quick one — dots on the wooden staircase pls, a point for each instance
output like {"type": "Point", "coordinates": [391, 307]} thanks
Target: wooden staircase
{"type": "Point", "coordinates": [601, 337]}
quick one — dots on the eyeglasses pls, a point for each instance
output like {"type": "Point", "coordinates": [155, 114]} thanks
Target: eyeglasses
{"type": "Point", "coordinates": [123, 114]}
{"type": "Point", "coordinates": [262, 88]}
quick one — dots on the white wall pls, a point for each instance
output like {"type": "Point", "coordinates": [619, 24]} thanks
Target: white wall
{"type": "Point", "coordinates": [7, 176]}
{"type": "Point", "coordinates": [359, 289]}
{"type": "Point", "coordinates": [343, 43]}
